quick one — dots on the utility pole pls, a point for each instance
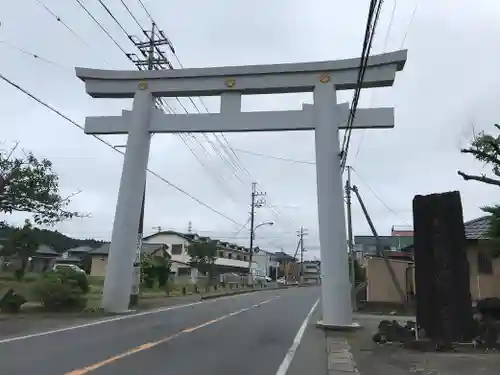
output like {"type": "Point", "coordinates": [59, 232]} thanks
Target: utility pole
{"type": "Point", "coordinates": [256, 202]}
{"type": "Point", "coordinates": [153, 58]}
{"type": "Point", "coordinates": [350, 241]}
{"type": "Point", "coordinates": [301, 233]}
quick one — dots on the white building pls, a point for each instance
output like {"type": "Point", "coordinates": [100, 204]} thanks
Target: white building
{"type": "Point", "coordinates": [231, 257]}
{"type": "Point", "coordinates": [264, 260]}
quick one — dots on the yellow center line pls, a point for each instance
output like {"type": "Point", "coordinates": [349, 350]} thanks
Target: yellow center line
{"type": "Point", "coordinates": [150, 345]}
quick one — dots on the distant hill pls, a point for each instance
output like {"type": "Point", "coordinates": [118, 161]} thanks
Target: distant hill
{"type": "Point", "coordinates": [58, 241]}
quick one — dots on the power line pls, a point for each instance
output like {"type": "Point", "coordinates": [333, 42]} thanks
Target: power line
{"type": "Point", "coordinates": [378, 197]}
{"type": "Point", "coordinates": [373, 15]}
{"type": "Point", "coordinates": [34, 55]}
{"type": "Point", "coordinates": [146, 10]}
{"type": "Point", "coordinates": [132, 14]}
{"type": "Point", "coordinates": [386, 41]}
{"type": "Point", "coordinates": [232, 156]}
{"type": "Point", "coordinates": [42, 4]}
{"type": "Point", "coordinates": [62, 115]}
{"type": "Point", "coordinates": [410, 22]}
{"type": "Point", "coordinates": [274, 157]}
{"type": "Point", "coordinates": [112, 16]}
{"type": "Point", "coordinates": [144, 49]}
{"type": "Point", "coordinates": [102, 27]}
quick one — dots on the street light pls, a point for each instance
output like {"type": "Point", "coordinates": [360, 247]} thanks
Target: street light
{"type": "Point", "coordinates": [252, 235]}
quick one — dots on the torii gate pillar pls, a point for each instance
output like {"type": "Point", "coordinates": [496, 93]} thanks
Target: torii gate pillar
{"type": "Point", "coordinates": [121, 254]}
{"type": "Point", "coordinates": [335, 289]}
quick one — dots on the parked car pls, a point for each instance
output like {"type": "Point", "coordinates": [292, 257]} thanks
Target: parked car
{"type": "Point", "coordinates": [281, 280]}
{"type": "Point", "coordinates": [61, 266]}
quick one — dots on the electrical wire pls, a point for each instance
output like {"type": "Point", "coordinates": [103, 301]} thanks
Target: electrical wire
{"type": "Point", "coordinates": [378, 197]}
{"type": "Point", "coordinates": [386, 41]}
{"type": "Point", "coordinates": [102, 28]}
{"type": "Point", "coordinates": [110, 13]}
{"type": "Point", "coordinates": [113, 17]}
{"type": "Point", "coordinates": [132, 14]}
{"type": "Point", "coordinates": [42, 4]}
{"type": "Point", "coordinates": [410, 22]}
{"type": "Point", "coordinates": [73, 122]}
{"type": "Point", "coordinates": [224, 159]}
{"type": "Point", "coordinates": [146, 10]}
{"type": "Point", "coordinates": [274, 157]}
{"type": "Point", "coordinates": [34, 55]}
{"type": "Point", "coordinates": [373, 14]}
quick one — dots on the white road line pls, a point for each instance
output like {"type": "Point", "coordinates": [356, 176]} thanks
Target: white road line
{"type": "Point", "coordinates": [296, 342]}
{"type": "Point", "coordinates": [115, 319]}
{"type": "Point", "coordinates": [97, 322]}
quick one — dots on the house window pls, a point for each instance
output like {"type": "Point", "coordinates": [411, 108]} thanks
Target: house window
{"type": "Point", "coordinates": [176, 249]}
{"type": "Point", "coordinates": [245, 258]}
{"type": "Point", "coordinates": [221, 254]}
{"type": "Point", "coordinates": [238, 257]}
{"type": "Point", "coordinates": [229, 256]}
{"type": "Point", "coordinates": [484, 263]}
{"type": "Point", "coordinates": [184, 271]}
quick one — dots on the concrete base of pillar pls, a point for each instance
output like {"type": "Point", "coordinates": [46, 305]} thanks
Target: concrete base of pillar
{"type": "Point", "coordinates": [344, 328]}
{"type": "Point", "coordinates": [134, 300]}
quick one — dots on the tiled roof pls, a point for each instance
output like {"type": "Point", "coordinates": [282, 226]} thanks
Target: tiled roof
{"type": "Point", "coordinates": [477, 229]}
{"type": "Point", "coordinates": [190, 237]}
{"type": "Point", "coordinates": [80, 249]}
{"type": "Point", "coordinates": [145, 249]}
{"type": "Point", "coordinates": [46, 250]}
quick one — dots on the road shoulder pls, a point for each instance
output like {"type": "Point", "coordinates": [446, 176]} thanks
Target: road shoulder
{"type": "Point", "coordinates": [311, 356]}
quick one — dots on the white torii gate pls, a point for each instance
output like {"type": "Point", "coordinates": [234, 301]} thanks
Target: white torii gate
{"type": "Point", "coordinates": [324, 116]}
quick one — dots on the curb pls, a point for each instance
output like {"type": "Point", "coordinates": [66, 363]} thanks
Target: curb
{"type": "Point", "coordinates": [235, 293]}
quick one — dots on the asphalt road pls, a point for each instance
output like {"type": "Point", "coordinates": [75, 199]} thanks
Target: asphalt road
{"type": "Point", "coordinates": [246, 334]}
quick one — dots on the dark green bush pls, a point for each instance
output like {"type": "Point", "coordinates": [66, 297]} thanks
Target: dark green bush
{"type": "Point", "coordinates": [11, 302]}
{"type": "Point", "coordinates": [81, 279]}
{"type": "Point", "coordinates": [60, 291]}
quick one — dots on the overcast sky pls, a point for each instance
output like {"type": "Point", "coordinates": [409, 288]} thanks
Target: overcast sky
{"type": "Point", "coordinates": [449, 87]}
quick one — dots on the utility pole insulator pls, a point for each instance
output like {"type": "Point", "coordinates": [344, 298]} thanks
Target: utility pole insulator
{"type": "Point", "coordinates": [154, 58]}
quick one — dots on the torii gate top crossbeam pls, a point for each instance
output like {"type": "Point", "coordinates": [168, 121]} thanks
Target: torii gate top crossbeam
{"type": "Point", "coordinates": [251, 79]}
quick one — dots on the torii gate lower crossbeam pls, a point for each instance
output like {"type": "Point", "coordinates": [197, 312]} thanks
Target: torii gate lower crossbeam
{"type": "Point", "coordinates": [324, 116]}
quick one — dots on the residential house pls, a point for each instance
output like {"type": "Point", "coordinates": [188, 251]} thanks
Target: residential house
{"type": "Point", "coordinates": [99, 256]}
{"type": "Point", "coordinates": [74, 255]}
{"type": "Point", "coordinates": [311, 270]}
{"type": "Point", "coordinates": [43, 259]}
{"type": "Point", "coordinates": [287, 265]}
{"type": "Point", "coordinates": [483, 270]}
{"type": "Point", "coordinates": [231, 257]}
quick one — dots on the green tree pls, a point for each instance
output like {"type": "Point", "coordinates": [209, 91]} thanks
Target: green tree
{"type": "Point", "coordinates": [28, 184]}
{"type": "Point", "coordinates": [203, 255]}
{"type": "Point", "coordinates": [485, 148]}
{"type": "Point", "coordinates": [21, 244]}
{"type": "Point", "coordinates": [155, 268]}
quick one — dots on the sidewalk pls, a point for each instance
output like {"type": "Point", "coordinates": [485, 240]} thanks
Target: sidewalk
{"type": "Point", "coordinates": [373, 359]}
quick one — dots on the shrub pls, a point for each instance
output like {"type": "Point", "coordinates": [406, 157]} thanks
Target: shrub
{"type": "Point", "coordinates": [58, 291]}
{"type": "Point", "coordinates": [11, 302]}
{"type": "Point", "coordinates": [81, 279]}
